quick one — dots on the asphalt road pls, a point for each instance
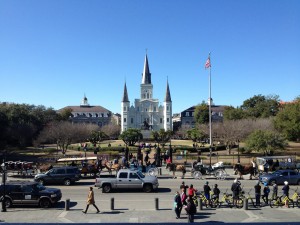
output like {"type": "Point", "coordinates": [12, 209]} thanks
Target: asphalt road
{"type": "Point", "coordinates": [139, 207]}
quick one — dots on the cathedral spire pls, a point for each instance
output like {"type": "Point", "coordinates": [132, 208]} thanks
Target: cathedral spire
{"type": "Point", "coordinates": [168, 95]}
{"type": "Point", "coordinates": [125, 95]}
{"type": "Point", "coordinates": [146, 76]}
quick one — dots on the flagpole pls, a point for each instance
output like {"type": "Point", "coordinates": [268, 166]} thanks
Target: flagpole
{"type": "Point", "coordinates": [209, 109]}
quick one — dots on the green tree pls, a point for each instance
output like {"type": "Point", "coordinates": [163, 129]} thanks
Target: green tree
{"type": "Point", "coordinates": [196, 135]}
{"type": "Point", "coordinates": [65, 114]}
{"type": "Point", "coordinates": [201, 113]}
{"type": "Point", "coordinates": [162, 136]}
{"type": "Point", "coordinates": [231, 113]}
{"type": "Point", "coordinates": [3, 130]}
{"type": "Point", "coordinates": [265, 141]}
{"type": "Point", "coordinates": [261, 106]}
{"type": "Point", "coordinates": [97, 137]}
{"type": "Point", "coordinates": [131, 136]}
{"type": "Point", "coordinates": [24, 122]}
{"type": "Point", "coordinates": [287, 121]}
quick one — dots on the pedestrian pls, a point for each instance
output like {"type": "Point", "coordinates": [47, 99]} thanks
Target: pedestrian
{"type": "Point", "coordinates": [216, 192]}
{"type": "Point", "coordinates": [190, 209]}
{"type": "Point", "coordinates": [90, 201]}
{"type": "Point", "coordinates": [177, 205]}
{"type": "Point", "coordinates": [183, 186]}
{"type": "Point", "coordinates": [191, 191]}
{"type": "Point", "coordinates": [286, 189]}
{"type": "Point", "coordinates": [236, 189]}
{"type": "Point", "coordinates": [275, 192]}
{"type": "Point", "coordinates": [146, 159]}
{"type": "Point", "coordinates": [257, 189]}
{"type": "Point", "coordinates": [124, 162]}
{"type": "Point", "coordinates": [183, 196]}
{"type": "Point", "coordinates": [266, 192]}
{"type": "Point", "coordinates": [207, 190]}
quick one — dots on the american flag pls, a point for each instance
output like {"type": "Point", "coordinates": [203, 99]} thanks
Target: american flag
{"type": "Point", "coordinates": [207, 64]}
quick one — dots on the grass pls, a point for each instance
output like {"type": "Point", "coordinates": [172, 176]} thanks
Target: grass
{"type": "Point", "coordinates": [51, 150]}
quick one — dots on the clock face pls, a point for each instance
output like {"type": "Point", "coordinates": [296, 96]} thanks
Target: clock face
{"type": "Point", "coordinates": [147, 104]}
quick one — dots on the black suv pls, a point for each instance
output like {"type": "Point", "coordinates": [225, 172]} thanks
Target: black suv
{"type": "Point", "coordinates": [59, 175]}
{"type": "Point", "coordinates": [29, 193]}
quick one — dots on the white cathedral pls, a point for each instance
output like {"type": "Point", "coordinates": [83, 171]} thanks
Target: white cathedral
{"type": "Point", "coordinates": [146, 114]}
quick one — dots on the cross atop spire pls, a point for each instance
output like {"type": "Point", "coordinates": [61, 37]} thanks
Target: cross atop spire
{"type": "Point", "coordinates": [168, 95]}
{"type": "Point", "coordinates": [146, 76]}
{"type": "Point", "coordinates": [125, 94]}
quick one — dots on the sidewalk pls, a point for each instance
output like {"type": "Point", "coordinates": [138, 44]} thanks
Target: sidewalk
{"type": "Point", "coordinates": [124, 215]}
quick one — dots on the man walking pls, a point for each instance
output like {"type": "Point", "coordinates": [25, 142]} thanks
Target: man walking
{"type": "Point", "coordinates": [90, 201]}
{"type": "Point", "coordinates": [236, 189]}
{"type": "Point", "coordinates": [257, 189]}
{"type": "Point", "coordinates": [285, 191]}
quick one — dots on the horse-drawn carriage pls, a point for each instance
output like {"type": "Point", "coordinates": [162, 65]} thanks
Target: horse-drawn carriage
{"type": "Point", "coordinates": [151, 169]}
{"type": "Point", "coordinates": [217, 170]}
{"type": "Point", "coordinates": [86, 165]}
{"type": "Point", "coordinates": [19, 167]}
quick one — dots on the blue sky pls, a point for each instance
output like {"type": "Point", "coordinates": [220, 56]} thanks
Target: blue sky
{"type": "Point", "coordinates": [52, 52]}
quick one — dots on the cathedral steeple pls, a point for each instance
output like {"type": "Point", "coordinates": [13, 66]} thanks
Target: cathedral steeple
{"type": "Point", "coordinates": [168, 95]}
{"type": "Point", "coordinates": [125, 94]}
{"type": "Point", "coordinates": [146, 76]}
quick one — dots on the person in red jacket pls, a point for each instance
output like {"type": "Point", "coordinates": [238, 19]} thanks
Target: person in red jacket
{"type": "Point", "coordinates": [191, 191]}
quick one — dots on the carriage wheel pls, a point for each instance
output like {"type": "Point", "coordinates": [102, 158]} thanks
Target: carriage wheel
{"type": "Point", "coordinates": [153, 171]}
{"type": "Point", "coordinates": [220, 174]}
{"type": "Point", "coordinates": [197, 175]}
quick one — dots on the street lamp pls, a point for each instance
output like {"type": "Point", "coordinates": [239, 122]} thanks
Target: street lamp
{"type": "Point", "coordinates": [238, 148]}
{"type": "Point", "coordinates": [210, 153]}
{"type": "Point", "coordinates": [3, 181]}
{"type": "Point", "coordinates": [171, 153]}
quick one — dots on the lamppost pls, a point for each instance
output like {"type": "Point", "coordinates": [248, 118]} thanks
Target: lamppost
{"type": "Point", "coordinates": [210, 153]}
{"type": "Point", "coordinates": [171, 153]}
{"type": "Point", "coordinates": [3, 181]}
{"type": "Point", "coordinates": [238, 148]}
{"type": "Point", "coordinates": [85, 148]}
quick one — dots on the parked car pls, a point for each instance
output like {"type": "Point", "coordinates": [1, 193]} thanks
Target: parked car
{"type": "Point", "coordinates": [29, 193]}
{"type": "Point", "coordinates": [59, 175]}
{"type": "Point", "coordinates": [279, 176]}
{"type": "Point", "coordinates": [127, 179]}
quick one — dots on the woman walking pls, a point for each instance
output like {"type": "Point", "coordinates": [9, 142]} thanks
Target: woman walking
{"type": "Point", "coordinates": [90, 201]}
{"type": "Point", "coordinates": [177, 205]}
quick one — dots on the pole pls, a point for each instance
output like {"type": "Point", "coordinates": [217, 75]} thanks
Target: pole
{"type": "Point", "coordinates": [209, 111]}
{"type": "Point", "coordinates": [238, 142]}
{"type": "Point", "coordinates": [3, 180]}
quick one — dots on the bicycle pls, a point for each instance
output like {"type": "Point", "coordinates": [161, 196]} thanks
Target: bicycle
{"type": "Point", "coordinates": [205, 201]}
{"type": "Point", "coordinates": [195, 200]}
{"type": "Point", "coordinates": [249, 198]}
{"type": "Point", "coordinates": [226, 199]}
{"type": "Point", "coordinates": [239, 202]}
{"type": "Point", "coordinates": [214, 201]}
{"type": "Point", "coordinates": [296, 198]}
{"type": "Point", "coordinates": [280, 201]}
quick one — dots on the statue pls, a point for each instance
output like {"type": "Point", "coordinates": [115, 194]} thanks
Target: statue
{"type": "Point", "coordinates": [146, 125]}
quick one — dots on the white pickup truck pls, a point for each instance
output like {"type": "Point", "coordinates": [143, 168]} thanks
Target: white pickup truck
{"type": "Point", "coordinates": [127, 179]}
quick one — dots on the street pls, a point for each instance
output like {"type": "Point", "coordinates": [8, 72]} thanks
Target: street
{"type": "Point", "coordinates": [139, 207]}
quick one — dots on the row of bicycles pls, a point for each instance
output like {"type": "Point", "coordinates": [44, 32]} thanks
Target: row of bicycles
{"type": "Point", "coordinates": [227, 200]}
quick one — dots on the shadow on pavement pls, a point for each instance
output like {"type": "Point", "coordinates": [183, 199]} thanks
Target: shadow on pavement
{"type": "Point", "coordinates": [113, 212]}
